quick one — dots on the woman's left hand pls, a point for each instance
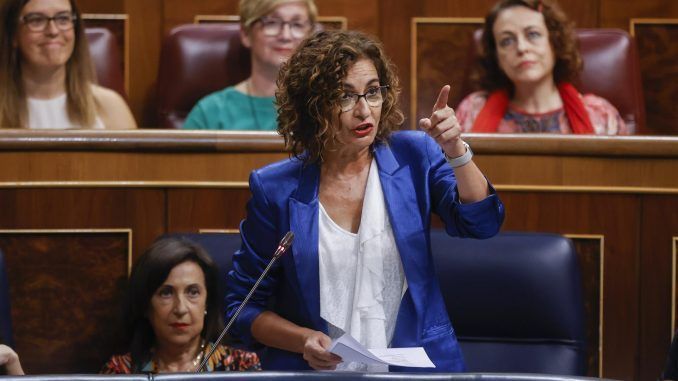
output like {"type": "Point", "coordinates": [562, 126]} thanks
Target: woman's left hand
{"type": "Point", "coordinates": [443, 126]}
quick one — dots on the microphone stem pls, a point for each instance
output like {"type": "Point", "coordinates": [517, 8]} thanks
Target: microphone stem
{"type": "Point", "coordinates": [201, 367]}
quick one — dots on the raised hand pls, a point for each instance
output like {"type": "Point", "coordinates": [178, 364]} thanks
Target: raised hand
{"type": "Point", "coordinates": [443, 126]}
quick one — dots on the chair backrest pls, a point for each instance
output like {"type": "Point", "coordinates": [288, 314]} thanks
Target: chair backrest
{"type": "Point", "coordinates": [106, 58]}
{"type": "Point", "coordinates": [196, 60]}
{"type": "Point", "coordinates": [5, 315]}
{"type": "Point", "coordinates": [221, 247]}
{"type": "Point", "coordinates": [611, 70]}
{"type": "Point", "coordinates": [515, 301]}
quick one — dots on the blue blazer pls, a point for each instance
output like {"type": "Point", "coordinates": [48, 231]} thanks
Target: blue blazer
{"type": "Point", "coordinates": [416, 181]}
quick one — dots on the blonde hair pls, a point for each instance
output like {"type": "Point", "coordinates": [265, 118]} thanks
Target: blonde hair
{"type": "Point", "coordinates": [80, 74]}
{"type": "Point", "coordinates": [253, 10]}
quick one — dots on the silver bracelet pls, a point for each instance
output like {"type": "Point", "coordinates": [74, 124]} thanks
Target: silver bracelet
{"type": "Point", "coordinates": [456, 162]}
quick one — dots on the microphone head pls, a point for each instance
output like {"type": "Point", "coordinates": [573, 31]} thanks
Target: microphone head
{"type": "Point", "coordinates": [286, 242]}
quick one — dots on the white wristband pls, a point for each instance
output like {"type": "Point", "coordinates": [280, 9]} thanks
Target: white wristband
{"type": "Point", "coordinates": [456, 162]}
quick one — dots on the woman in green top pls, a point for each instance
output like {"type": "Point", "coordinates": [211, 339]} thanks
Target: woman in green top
{"type": "Point", "coordinates": [272, 30]}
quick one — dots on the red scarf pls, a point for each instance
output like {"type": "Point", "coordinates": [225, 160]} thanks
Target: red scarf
{"type": "Point", "coordinates": [497, 103]}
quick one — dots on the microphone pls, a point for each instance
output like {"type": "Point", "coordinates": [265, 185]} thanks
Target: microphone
{"type": "Point", "coordinates": [283, 246]}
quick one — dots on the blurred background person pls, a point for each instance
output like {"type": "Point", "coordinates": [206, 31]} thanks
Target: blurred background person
{"type": "Point", "coordinates": [172, 311]}
{"type": "Point", "coordinates": [9, 362]}
{"type": "Point", "coordinates": [359, 198]}
{"type": "Point", "coordinates": [529, 61]}
{"type": "Point", "coordinates": [272, 30]}
{"type": "Point", "coordinates": [46, 73]}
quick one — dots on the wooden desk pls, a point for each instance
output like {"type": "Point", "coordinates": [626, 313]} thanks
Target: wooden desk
{"type": "Point", "coordinates": [78, 206]}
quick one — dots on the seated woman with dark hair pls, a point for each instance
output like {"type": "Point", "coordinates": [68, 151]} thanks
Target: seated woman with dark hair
{"type": "Point", "coordinates": [9, 362]}
{"type": "Point", "coordinates": [171, 313]}
{"type": "Point", "coordinates": [46, 75]}
{"type": "Point", "coordinates": [529, 60]}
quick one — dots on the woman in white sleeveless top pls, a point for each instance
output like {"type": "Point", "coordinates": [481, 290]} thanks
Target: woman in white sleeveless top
{"type": "Point", "coordinates": [46, 75]}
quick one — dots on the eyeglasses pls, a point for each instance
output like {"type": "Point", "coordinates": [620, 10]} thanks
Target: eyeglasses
{"type": "Point", "coordinates": [274, 26]}
{"type": "Point", "coordinates": [37, 22]}
{"type": "Point", "coordinates": [374, 96]}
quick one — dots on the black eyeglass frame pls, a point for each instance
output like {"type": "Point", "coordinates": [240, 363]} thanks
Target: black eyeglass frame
{"type": "Point", "coordinates": [382, 90]}
{"type": "Point", "coordinates": [47, 19]}
{"type": "Point", "coordinates": [263, 20]}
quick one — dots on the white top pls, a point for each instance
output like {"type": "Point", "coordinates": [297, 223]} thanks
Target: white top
{"type": "Point", "coordinates": [53, 114]}
{"type": "Point", "coordinates": [361, 275]}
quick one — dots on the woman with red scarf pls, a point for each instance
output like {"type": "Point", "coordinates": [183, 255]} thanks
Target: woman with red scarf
{"type": "Point", "coordinates": [529, 60]}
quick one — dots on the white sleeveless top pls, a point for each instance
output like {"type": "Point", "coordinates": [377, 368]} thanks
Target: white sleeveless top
{"type": "Point", "coordinates": [53, 114]}
{"type": "Point", "coordinates": [361, 275]}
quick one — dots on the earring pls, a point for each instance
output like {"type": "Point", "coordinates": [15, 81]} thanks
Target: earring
{"type": "Point", "coordinates": [205, 312]}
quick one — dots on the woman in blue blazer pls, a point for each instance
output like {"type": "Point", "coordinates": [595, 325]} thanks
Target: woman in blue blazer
{"type": "Point", "coordinates": [359, 199]}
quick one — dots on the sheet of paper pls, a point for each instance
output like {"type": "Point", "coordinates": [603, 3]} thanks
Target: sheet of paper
{"type": "Point", "coordinates": [349, 349]}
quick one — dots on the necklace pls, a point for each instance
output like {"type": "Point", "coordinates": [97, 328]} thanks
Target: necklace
{"type": "Point", "coordinates": [158, 365]}
{"type": "Point", "coordinates": [250, 95]}
{"type": "Point", "coordinates": [201, 352]}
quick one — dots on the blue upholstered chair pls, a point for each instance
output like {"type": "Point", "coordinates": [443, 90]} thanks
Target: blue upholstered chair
{"type": "Point", "coordinates": [221, 247]}
{"type": "Point", "coordinates": [5, 317]}
{"type": "Point", "coordinates": [515, 301]}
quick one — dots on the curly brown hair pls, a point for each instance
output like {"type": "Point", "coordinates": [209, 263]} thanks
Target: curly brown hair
{"type": "Point", "coordinates": [561, 36]}
{"type": "Point", "coordinates": [310, 85]}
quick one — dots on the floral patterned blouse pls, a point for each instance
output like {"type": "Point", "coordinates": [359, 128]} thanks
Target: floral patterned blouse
{"type": "Point", "coordinates": [604, 117]}
{"type": "Point", "coordinates": [223, 359]}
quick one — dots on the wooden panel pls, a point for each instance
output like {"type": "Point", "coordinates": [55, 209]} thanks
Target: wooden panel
{"type": "Point", "coordinates": [140, 210]}
{"type": "Point", "coordinates": [583, 12]}
{"type": "Point", "coordinates": [146, 26]}
{"type": "Point", "coordinates": [362, 15]}
{"type": "Point", "coordinates": [177, 12]}
{"type": "Point", "coordinates": [659, 226]}
{"type": "Point", "coordinates": [64, 289]}
{"type": "Point", "coordinates": [327, 22]}
{"type": "Point", "coordinates": [617, 217]}
{"type": "Point", "coordinates": [100, 6]}
{"type": "Point", "coordinates": [618, 13]}
{"type": "Point", "coordinates": [192, 210]}
{"type": "Point", "coordinates": [658, 53]}
{"type": "Point", "coordinates": [591, 254]}
{"type": "Point", "coordinates": [434, 67]}
{"type": "Point", "coordinates": [150, 158]}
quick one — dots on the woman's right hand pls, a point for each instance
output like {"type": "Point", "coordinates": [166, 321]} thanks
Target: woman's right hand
{"type": "Point", "coordinates": [10, 360]}
{"type": "Point", "coordinates": [316, 354]}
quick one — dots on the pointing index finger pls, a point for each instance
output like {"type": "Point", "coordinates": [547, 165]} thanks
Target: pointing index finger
{"type": "Point", "coordinates": [441, 102]}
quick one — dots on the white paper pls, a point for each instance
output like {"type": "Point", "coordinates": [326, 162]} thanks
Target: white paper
{"type": "Point", "coordinates": [349, 349]}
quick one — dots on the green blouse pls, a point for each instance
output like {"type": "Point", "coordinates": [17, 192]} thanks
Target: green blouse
{"type": "Point", "coordinates": [229, 109]}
